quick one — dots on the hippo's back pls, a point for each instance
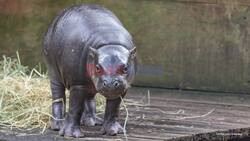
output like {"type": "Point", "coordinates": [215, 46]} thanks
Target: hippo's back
{"type": "Point", "coordinates": [70, 35]}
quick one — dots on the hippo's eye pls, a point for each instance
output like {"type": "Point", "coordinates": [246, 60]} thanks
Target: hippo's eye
{"type": "Point", "coordinates": [98, 69]}
{"type": "Point", "coordinates": [124, 69]}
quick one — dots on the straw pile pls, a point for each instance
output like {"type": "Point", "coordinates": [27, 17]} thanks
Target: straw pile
{"type": "Point", "coordinates": [25, 99]}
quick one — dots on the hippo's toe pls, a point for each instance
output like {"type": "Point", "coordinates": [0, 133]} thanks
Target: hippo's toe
{"type": "Point", "coordinates": [112, 129]}
{"type": "Point", "coordinates": [69, 130]}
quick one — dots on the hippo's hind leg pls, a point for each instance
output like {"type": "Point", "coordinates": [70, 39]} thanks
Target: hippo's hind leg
{"type": "Point", "coordinates": [89, 117]}
{"type": "Point", "coordinates": [71, 126]}
{"type": "Point", "coordinates": [58, 104]}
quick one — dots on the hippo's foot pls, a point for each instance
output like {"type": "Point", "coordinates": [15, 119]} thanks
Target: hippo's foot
{"type": "Point", "coordinates": [56, 124]}
{"type": "Point", "coordinates": [112, 128]}
{"type": "Point", "coordinates": [69, 130]}
{"type": "Point", "coordinates": [91, 120]}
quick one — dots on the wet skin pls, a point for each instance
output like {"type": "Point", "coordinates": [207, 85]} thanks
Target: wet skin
{"type": "Point", "coordinates": [87, 51]}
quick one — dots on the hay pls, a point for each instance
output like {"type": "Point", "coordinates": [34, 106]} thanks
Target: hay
{"type": "Point", "coordinates": [126, 119]}
{"type": "Point", "coordinates": [25, 99]}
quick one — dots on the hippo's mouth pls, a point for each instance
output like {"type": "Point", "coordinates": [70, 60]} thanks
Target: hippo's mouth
{"type": "Point", "coordinates": [111, 95]}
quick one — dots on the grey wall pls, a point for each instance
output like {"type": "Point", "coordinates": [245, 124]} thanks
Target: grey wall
{"type": "Point", "coordinates": [196, 44]}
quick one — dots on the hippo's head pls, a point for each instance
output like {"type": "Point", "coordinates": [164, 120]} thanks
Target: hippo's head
{"type": "Point", "coordinates": [111, 69]}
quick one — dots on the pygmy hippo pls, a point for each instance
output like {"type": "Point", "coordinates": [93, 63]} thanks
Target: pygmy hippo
{"type": "Point", "coordinates": [88, 51]}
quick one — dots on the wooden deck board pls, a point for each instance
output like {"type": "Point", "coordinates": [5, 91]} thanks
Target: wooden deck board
{"type": "Point", "coordinates": [173, 115]}
{"type": "Point", "coordinates": [162, 116]}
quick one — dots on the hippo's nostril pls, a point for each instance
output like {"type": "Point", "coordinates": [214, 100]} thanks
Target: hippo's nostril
{"type": "Point", "coordinates": [104, 83]}
{"type": "Point", "coordinates": [116, 83]}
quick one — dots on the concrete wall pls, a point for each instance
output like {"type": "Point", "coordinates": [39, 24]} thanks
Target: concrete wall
{"type": "Point", "coordinates": [196, 44]}
{"type": "Point", "coordinates": [201, 44]}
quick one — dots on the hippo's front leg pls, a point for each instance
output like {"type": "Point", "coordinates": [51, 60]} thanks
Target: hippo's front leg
{"type": "Point", "coordinates": [111, 125]}
{"type": "Point", "coordinates": [71, 127]}
{"type": "Point", "coordinates": [89, 117]}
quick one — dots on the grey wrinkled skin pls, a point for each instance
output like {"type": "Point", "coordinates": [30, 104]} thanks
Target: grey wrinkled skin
{"type": "Point", "coordinates": [79, 37]}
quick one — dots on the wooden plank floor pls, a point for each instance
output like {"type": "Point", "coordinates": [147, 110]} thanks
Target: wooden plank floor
{"type": "Point", "coordinates": [158, 114]}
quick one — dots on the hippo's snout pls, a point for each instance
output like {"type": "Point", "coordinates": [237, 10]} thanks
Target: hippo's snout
{"type": "Point", "coordinates": [116, 84]}
{"type": "Point", "coordinates": [112, 88]}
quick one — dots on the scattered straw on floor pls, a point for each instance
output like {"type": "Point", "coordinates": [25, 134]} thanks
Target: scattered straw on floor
{"type": "Point", "coordinates": [200, 116]}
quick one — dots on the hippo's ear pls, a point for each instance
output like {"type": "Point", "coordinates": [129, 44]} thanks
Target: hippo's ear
{"type": "Point", "coordinates": [93, 52]}
{"type": "Point", "coordinates": [132, 53]}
